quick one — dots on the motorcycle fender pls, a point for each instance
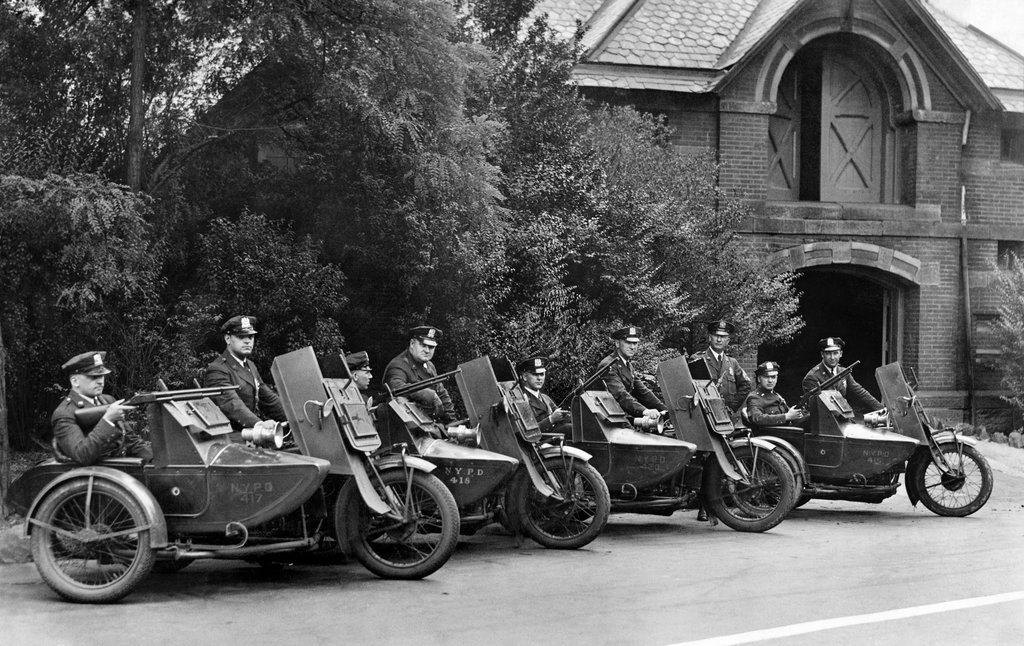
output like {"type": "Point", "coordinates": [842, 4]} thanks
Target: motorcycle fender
{"type": "Point", "coordinates": [549, 451]}
{"type": "Point", "coordinates": [942, 437]}
{"type": "Point", "coordinates": [756, 441]}
{"type": "Point", "coordinates": [535, 477]}
{"type": "Point", "coordinates": [369, 494]}
{"type": "Point", "coordinates": [142, 495]}
{"type": "Point", "coordinates": [787, 447]}
{"type": "Point", "coordinates": [396, 461]}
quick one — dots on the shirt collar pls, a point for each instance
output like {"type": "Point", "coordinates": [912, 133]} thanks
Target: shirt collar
{"type": "Point", "coordinates": [535, 393]}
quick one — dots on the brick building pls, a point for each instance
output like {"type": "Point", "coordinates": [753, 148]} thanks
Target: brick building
{"type": "Point", "coordinates": [859, 132]}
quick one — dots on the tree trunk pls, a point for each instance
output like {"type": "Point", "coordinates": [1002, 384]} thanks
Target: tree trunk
{"type": "Point", "coordinates": [137, 117]}
{"type": "Point", "coordinates": [5, 444]}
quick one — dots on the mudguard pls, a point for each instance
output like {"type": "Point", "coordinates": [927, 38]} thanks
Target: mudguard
{"type": "Point", "coordinates": [791, 453]}
{"type": "Point", "coordinates": [735, 443]}
{"type": "Point", "coordinates": [142, 495]}
{"type": "Point", "coordinates": [396, 462]}
{"type": "Point", "coordinates": [759, 442]}
{"type": "Point", "coordinates": [947, 436]}
{"type": "Point", "coordinates": [550, 451]}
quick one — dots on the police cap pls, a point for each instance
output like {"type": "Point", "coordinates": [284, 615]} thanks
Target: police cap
{"type": "Point", "coordinates": [767, 369]}
{"type": "Point", "coordinates": [88, 363]}
{"type": "Point", "coordinates": [831, 343]}
{"type": "Point", "coordinates": [358, 360]}
{"type": "Point", "coordinates": [720, 327]}
{"type": "Point", "coordinates": [630, 333]}
{"type": "Point", "coordinates": [427, 334]}
{"type": "Point", "coordinates": [535, 365]}
{"type": "Point", "coordinates": [240, 326]}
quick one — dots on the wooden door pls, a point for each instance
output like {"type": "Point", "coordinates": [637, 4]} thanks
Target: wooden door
{"type": "Point", "coordinates": [851, 133]}
{"type": "Point", "coordinates": [784, 141]}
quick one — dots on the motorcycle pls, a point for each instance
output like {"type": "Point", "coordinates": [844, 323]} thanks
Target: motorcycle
{"type": "Point", "coordinates": [552, 493]}
{"type": "Point", "coordinates": [741, 480]}
{"type": "Point", "coordinates": [841, 458]}
{"type": "Point", "coordinates": [97, 531]}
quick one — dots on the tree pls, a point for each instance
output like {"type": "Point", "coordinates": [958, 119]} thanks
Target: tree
{"type": "Point", "coordinates": [1009, 331]}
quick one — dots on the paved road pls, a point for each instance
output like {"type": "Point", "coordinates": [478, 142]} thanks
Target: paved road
{"type": "Point", "coordinates": [835, 573]}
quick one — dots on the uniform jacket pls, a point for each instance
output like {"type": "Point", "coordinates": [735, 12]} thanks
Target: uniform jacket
{"type": "Point", "coordinates": [732, 381]}
{"type": "Point", "coordinates": [542, 407]}
{"type": "Point", "coordinates": [858, 396]}
{"type": "Point", "coordinates": [404, 370]}
{"type": "Point", "coordinates": [103, 441]}
{"type": "Point", "coordinates": [254, 400]}
{"type": "Point", "coordinates": [632, 394]}
{"type": "Point", "coordinates": [767, 408]}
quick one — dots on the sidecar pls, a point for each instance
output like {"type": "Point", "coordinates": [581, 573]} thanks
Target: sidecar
{"type": "Point", "coordinates": [97, 530]}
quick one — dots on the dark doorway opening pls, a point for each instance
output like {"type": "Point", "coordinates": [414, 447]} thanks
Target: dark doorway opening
{"type": "Point", "coordinates": [834, 303]}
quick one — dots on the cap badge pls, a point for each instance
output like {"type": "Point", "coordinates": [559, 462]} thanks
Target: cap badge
{"type": "Point", "coordinates": [97, 360]}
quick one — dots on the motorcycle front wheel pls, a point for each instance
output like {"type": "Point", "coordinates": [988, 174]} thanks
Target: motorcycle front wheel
{"type": "Point", "coordinates": [758, 502]}
{"type": "Point", "coordinates": [92, 543]}
{"type": "Point", "coordinates": [573, 519]}
{"type": "Point", "coordinates": [412, 545]}
{"type": "Point", "coordinates": [960, 493]}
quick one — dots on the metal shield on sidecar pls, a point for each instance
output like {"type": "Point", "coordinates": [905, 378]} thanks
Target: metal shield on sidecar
{"type": "Point", "coordinates": [678, 391]}
{"type": "Point", "coordinates": [898, 398]}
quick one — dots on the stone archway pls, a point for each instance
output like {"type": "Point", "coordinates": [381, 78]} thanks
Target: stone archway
{"type": "Point", "coordinates": [846, 252]}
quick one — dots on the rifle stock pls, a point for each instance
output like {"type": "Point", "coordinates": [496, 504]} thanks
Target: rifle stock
{"type": "Point", "coordinates": [810, 394]}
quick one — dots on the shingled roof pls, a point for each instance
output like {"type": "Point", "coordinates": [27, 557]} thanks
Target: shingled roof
{"type": "Point", "coordinates": [689, 45]}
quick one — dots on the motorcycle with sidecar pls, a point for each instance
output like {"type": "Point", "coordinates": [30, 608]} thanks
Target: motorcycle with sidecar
{"type": "Point", "coordinates": [97, 531]}
{"type": "Point", "coordinates": [708, 463]}
{"type": "Point", "coordinates": [841, 458]}
{"type": "Point", "coordinates": [503, 469]}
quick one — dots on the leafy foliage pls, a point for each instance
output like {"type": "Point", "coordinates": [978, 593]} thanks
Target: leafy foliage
{"type": "Point", "coordinates": [1009, 331]}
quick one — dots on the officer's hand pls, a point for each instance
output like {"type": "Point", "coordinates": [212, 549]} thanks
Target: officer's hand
{"type": "Point", "coordinates": [115, 413]}
{"type": "Point", "coordinates": [794, 413]}
{"type": "Point", "coordinates": [559, 415]}
{"type": "Point", "coordinates": [265, 425]}
{"type": "Point", "coordinates": [435, 401]}
{"type": "Point", "coordinates": [652, 413]}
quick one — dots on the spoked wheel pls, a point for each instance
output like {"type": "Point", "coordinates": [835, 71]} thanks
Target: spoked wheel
{"type": "Point", "coordinates": [755, 504]}
{"type": "Point", "coordinates": [412, 545]}
{"type": "Point", "coordinates": [575, 519]}
{"type": "Point", "coordinates": [92, 541]}
{"type": "Point", "coordinates": [960, 493]}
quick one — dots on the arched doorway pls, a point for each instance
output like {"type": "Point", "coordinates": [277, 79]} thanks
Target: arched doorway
{"type": "Point", "coordinates": [858, 304]}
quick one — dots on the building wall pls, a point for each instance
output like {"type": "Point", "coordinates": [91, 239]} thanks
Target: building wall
{"type": "Point", "coordinates": [924, 224]}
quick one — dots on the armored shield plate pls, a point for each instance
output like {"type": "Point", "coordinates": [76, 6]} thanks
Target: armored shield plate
{"type": "Point", "coordinates": [678, 391]}
{"type": "Point", "coordinates": [897, 397]}
{"type": "Point", "coordinates": [301, 387]}
{"type": "Point", "coordinates": [486, 406]}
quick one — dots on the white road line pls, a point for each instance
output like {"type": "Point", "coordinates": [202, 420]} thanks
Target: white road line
{"type": "Point", "coordinates": [854, 620]}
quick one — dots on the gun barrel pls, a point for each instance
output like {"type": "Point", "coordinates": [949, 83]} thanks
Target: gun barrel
{"type": "Point", "coordinates": [420, 385]}
{"type": "Point", "coordinates": [827, 383]}
{"type": "Point", "coordinates": [586, 384]}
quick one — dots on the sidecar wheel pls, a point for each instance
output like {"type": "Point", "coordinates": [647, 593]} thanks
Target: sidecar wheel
{"type": "Point", "coordinates": [961, 494]}
{"type": "Point", "coordinates": [573, 522]}
{"type": "Point", "coordinates": [92, 545]}
{"type": "Point", "coordinates": [411, 548]}
{"type": "Point", "coordinates": [756, 505]}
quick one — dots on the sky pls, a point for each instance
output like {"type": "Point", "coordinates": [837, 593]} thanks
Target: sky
{"type": "Point", "coordinates": [1001, 19]}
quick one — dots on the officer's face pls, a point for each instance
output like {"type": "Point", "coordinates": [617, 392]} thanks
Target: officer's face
{"type": "Point", "coordinates": [362, 378]}
{"type": "Point", "coordinates": [627, 348]}
{"type": "Point", "coordinates": [88, 386]}
{"type": "Point", "coordinates": [718, 341]}
{"type": "Point", "coordinates": [533, 381]}
{"type": "Point", "coordinates": [240, 346]}
{"type": "Point", "coordinates": [832, 357]}
{"type": "Point", "coordinates": [421, 351]}
{"type": "Point", "coordinates": [768, 382]}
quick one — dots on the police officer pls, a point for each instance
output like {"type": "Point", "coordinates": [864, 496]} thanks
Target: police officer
{"type": "Point", "coordinates": [730, 378]}
{"type": "Point", "coordinates": [87, 374]}
{"type": "Point", "coordinates": [254, 404]}
{"type": "Point", "coordinates": [831, 352]}
{"type": "Point", "coordinates": [359, 366]}
{"type": "Point", "coordinates": [764, 406]}
{"type": "Point", "coordinates": [414, 365]}
{"type": "Point", "coordinates": [635, 398]}
{"type": "Point", "coordinates": [532, 374]}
